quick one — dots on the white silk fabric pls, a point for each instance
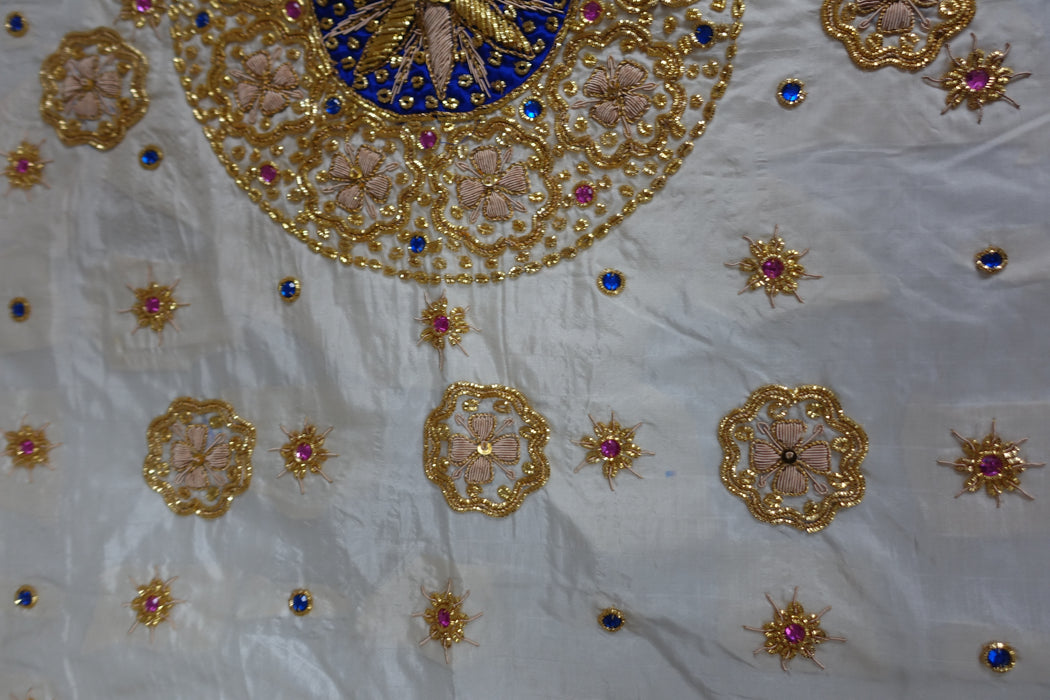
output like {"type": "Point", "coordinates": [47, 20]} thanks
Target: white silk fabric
{"type": "Point", "coordinates": [892, 199]}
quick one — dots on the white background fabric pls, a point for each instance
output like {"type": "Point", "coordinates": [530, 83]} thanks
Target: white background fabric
{"type": "Point", "coordinates": [893, 200]}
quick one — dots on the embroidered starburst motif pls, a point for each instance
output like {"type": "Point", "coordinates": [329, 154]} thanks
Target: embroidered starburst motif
{"type": "Point", "coordinates": [153, 604]}
{"type": "Point", "coordinates": [773, 268]}
{"type": "Point", "coordinates": [304, 453]}
{"type": "Point", "coordinates": [28, 447]}
{"type": "Point", "coordinates": [142, 12]}
{"type": "Point", "coordinates": [442, 324]}
{"type": "Point", "coordinates": [977, 79]}
{"type": "Point", "coordinates": [793, 633]}
{"type": "Point", "coordinates": [992, 464]}
{"type": "Point", "coordinates": [612, 446]}
{"type": "Point", "coordinates": [25, 167]}
{"type": "Point", "coordinates": [446, 618]}
{"type": "Point", "coordinates": [155, 306]}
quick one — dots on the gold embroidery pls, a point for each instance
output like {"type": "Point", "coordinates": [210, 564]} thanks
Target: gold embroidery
{"type": "Point", "coordinates": [488, 447]}
{"type": "Point", "coordinates": [613, 447]}
{"type": "Point", "coordinates": [142, 12]}
{"type": "Point", "coordinates": [199, 456]}
{"type": "Point", "coordinates": [304, 453]}
{"type": "Point", "coordinates": [25, 167]}
{"type": "Point", "coordinates": [85, 98]}
{"type": "Point", "coordinates": [153, 604]}
{"type": "Point", "coordinates": [28, 447]}
{"type": "Point", "coordinates": [446, 619]}
{"type": "Point", "coordinates": [992, 464]}
{"type": "Point", "coordinates": [612, 620]}
{"type": "Point", "coordinates": [793, 633]}
{"type": "Point", "coordinates": [155, 306]}
{"type": "Point", "coordinates": [789, 463]}
{"type": "Point", "coordinates": [772, 268]}
{"type": "Point", "coordinates": [977, 79]}
{"type": "Point", "coordinates": [441, 323]}
{"type": "Point", "coordinates": [892, 39]}
{"type": "Point", "coordinates": [265, 90]}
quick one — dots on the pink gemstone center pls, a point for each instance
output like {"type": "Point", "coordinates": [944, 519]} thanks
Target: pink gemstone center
{"type": "Point", "coordinates": [268, 173]}
{"type": "Point", "coordinates": [152, 603]}
{"type": "Point", "coordinates": [991, 465]}
{"type": "Point", "coordinates": [977, 79]}
{"type": "Point", "coordinates": [304, 451]}
{"type": "Point", "coordinates": [441, 324]}
{"type": "Point", "coordinates": [23, 165]}
{"type": "Point", "coordinates": [152, 305]}
{"type": "Point", "coordinates": [584, 194]}
{"type": "Point", "coordinates": [794, 633]}
{"type": "Point", "coordinates": [444, 617]}
{"type": "Point", "coordinates": [773, 268]}
{"type": "Point", "coordinates": [27, 447]}
{"type": "Point", "coordinates": [293, 9]}
{"type": "Point", "coordinates": [592, 11]}
{"type": "Point", "coordinates": [143, 5]}
{"type": "Point", "coordinates": [610, 448]}
{"type": "Point", "coordinates": [428, 139]}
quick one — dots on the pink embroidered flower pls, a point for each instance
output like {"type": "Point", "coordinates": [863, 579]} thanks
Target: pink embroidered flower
{"type": "Point", "coordinates": [790, 461]}
{"type": "Point", "coordinates": [265, 85]}
{"type": "Point", "coordinates": [894, 16]}
{"type": "Point", "coordinates": [475, 455]}
{"type": "Point", "coordinates": [614, 94]}
{"type": "Point", "coordinates": [198, 463]}
{"type": "Point", "coordinates": [88, 91]}
{"type": "Point", "coordinates": [359, 179]}
{"type": "Point", "coordinates": [492, 184]}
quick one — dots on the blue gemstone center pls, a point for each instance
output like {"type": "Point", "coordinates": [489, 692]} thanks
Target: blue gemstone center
{"type": "Point", "coordinates": [16, 23]}
{"type": "Point", "coordinates": [25, 598]}
{"type": "Point", "coordinates": [289, 289]}
{"type": "Point", "coordinates": [300, 602]}
{"type": "Point", "coordinates": [611, 281]}
{"type": "Point", "coordinates": [202, 20]}
{"type": "Point", "coordinates": [333, 105]}
{"type": "Point", "coordinates": [704, 34]}
{"type": "Point", "coordinates": [18, 309]}
{"type": "Point", "coordinates": [992, 260]}
{"type": "Point", "coordinates": [791, 92]}
{"type": "Point", "coordinates": [150, 157]}
{"type": "Point", "coordinates": [532, 108]}
{"type": "Point", "coordinates": [612, 621]}
{"type": "Point", "coordinates": [417, 244]}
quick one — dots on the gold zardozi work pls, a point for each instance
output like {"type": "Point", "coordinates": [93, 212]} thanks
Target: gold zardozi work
{"type": "Point", "coordinates": [94, 88]}
{"type": "Point", "coordinates": [520, 181]}
{"type": "Point", "coordinates": [907, 34]}
{"type": "Point", "coordinates": [808, 444]}
{"type": "Point", "coordinates": [200, 456]}
{"type": "Point", "coordinates": [485, 435]}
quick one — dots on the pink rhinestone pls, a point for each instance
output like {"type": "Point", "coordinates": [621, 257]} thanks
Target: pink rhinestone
{"type": "Point", "coordinates": [441, 324]}
{"type": "Point", "coordinates": [584, 194]}
{"type": "Point", "coordinates": [268, 173]}
{"type": "Point", "coordinates": [991, 465]}
{"type": "Point", "coordinates": [152, 603]}
{"type": "Point", "coordinates": [303, 452]}
{"type": "Point", "coordinates": [977, 79]}
{"type": "Point", "coordinates": [293, 9]}
{"type": "Point", "coordinates": [152, 305]}
{"type": "Point", "coordinates": [27, 447]}
{"type": "Point", "coordinates": [592, 11]}
{"type": "Point", "coordinates": [23, 165]}
{"type": "Point", "coordinates": [773, 268]}
{"type": "Point", "coordinates": [428, 139]}
{"type": "Point", "coordinates": [143, 5]}
{"type": "Point", "coordinates": [610, 448]}
{"type": "Point", "coordinates": [794, 633]}
{"type": "Point", "coordinates": [444, 617]}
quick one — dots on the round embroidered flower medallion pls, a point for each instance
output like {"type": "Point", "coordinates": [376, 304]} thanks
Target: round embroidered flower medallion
{"type": "Point", "coordinates": [200, 456]}
{"type": "Point", "coordinates": [801, 447]}
{"type": "Point", "coordinates": [484, 442]}
{"type": "Point", "coordinates": [362, 129]}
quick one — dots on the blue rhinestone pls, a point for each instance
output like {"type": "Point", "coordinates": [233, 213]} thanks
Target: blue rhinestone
{"type": "Point", "coordinates": [532, 108]}
{"type": "Point", "coordinates": [150, 157]}
{"type": "Point", "coordinates": [992, 260]}
{"type": "Point", "coordinates": [333, 105]}
{"type": "Point", "coordinates": [612, 621]}
{"type": "Point", "coordinates": [611, 281]}
{"type": "Point", "coordinates": [203, 20]}
{"type": "Point", "coordinates": [300, 602]}
{"type": "Point", "coordinates": [998, 658]}
{"type": "Point", "coordinates": [791, 92]}
{"type": "Point", "coordinates": [16, 23]}
{"type": "Point", "coordinates": [289, 289]}
{"type": "Point", "coordinates": [704, 34]}
{"type": "Point", "coordinates": [25, 598]}
{"type": "Point", "coordinates": [417, 244]}
{"type": "Point", "coordinates": [18, 309]}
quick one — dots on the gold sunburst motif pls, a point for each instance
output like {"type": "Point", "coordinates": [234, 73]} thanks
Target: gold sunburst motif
{"type": "Point", "coordinates": [25, 167]}
{"type": "Point", "coordinates": [773, 268]}
{"type": "Point", "coordinates": [612, 446]}
{"type": "Point", "coordinates": [976, 80]}
{"type": "Point", "coordinates": [304, 453]}
{"type": "Point", "coordinates": [155, 306]}
{"type": "Point", "coordinates": [792, 632]}
{"type": "Point", "coordinates": [992, 464]}
{"type": "Point", "coordinates": [446, 618]}
{"type": "Point", "coordinates": [153, 604]}
{"type": "Point", "coordinates": [28, 447]}
{"type": "Point", "coordinates": [142, 12]}
{"type": "Point", "coordinates": [442, 324]}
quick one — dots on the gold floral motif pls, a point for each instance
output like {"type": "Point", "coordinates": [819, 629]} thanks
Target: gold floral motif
{"type": "Point", "coordinates": [612, 446]}
{"type": "Point", "coordinates": [992, 464]}
{"type": "Point", "coordinates": [25, 167]}
{"type": "Point", "coordinates": [773, 268]}
{"type": "Point", "coordinates": [155, 306]}
{"type": "Point", "coordinates": [304, 454]}
{"type": "Point", "coordinates": [487, 443]}
{"type": "Point", "coordinates": [199, 456]}
{"type": "Point", "coordinates": [878, 33]}
{"type": "Point", "coordinates": [976, 80]}
{"type": "Point", "coordinates": [142, 12]}
{"type": "Point", "coordinates": [446, 618]}
{"type": "Point", "coordinates": [153, 604]}
{"type": "Point", "coordinates": [94, 88]}
{"type": "Point", "coordinates": [785, 465]}
{"type": "Point", "coordinates": [28, 447]}
{"type": "Point", "coordinates": [792, 632]}
{"type": "Point", "coordinates": [263, 87]}
{"type": "Point", "coordinates": [441, 324]}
